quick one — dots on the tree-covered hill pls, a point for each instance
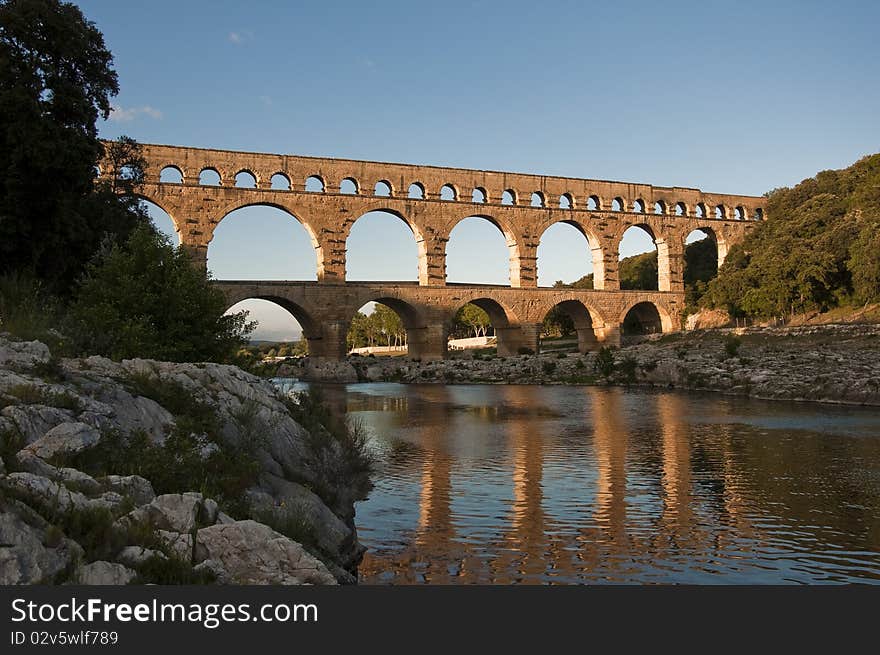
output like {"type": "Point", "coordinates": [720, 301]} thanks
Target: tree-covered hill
{"type": "Point", "coordinates": [819, 248]}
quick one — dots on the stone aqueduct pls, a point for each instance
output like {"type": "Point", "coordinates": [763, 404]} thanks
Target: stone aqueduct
{"type": "Point", "coordinates": [431, 201]}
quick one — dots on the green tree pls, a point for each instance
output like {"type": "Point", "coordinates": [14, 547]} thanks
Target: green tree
{"type": "Point", "coordinates": [864, 263]}
{"type": "Point", "coordinates": [56, 80]}
{"type": "Point", "coordinates": [144, 298]}
{"type": "Point", "coordinates": [471, 318]}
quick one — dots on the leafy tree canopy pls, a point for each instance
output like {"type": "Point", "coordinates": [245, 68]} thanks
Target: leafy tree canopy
{"type": "Point", "coordinates": [144, 298]}
{"type": "Point", "coordinates": [56, 80]}
{"type": "Point", "coordinates": [817, 250]}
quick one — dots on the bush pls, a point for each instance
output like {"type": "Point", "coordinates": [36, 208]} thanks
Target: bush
{"type": "Point", "coordinates": [627, 368]}
{"type": "Point", "coordinates": [732, 344]}
{"type": "Point", "coordinates": [27, 310]}
{"type": "Point", "coordinates": [579, 364]}
{"type": "Point", "coordinates": [604, 363]}
{"type": "Point", "coordinates": [144, 298]}
{"type": "Point", "coordinates": [548, 367]}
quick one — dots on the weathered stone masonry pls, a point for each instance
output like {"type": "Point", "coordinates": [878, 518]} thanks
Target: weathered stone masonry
{"type": "Point", "coordinates": [521, 206]}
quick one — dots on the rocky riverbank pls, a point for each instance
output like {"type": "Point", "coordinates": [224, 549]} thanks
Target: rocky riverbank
{"type": "Point", "coordinates": [826, 363]}
{"type": "Point", "coordinates": [144, 471]}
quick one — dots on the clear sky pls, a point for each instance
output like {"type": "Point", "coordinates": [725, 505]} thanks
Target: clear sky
{"type": "Point", "coordinates": [736, 97]}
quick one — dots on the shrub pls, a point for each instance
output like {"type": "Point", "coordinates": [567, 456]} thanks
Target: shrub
{"type": "Point", "coordinates": [144, 298]}
{"type": "Point", "coordinates": [579, 364]}
{"type": "Point", "coordinates": [548, 367]}
{"type": "Point", "coordinates": [732, 344]}
{"type": "Point", "coordinates": [627, 367]}
{"type": "Point", "coordinates": [604, 363]}
{"type": "Point", "coordinates": [561, 356]}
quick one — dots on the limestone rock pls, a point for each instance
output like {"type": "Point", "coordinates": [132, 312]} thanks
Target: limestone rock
{"type": "Point", "coordinates": [23, 353]}
{"type": "Point", "coordinates": [170, 512]}
{"type": "Point", "coordinates": [134, 556]}
{"type": "Point", "coordinates": [253, 553]}
{"type": "Point", "coordinates": [104, 573]}
{"type": "Point", "coordinates": [44, 493]}
{"type": "Point", "coordinates": [132, 486]}
{"type": "Point", "coordinates": [27, 556]}
{"type": "Point", "coordinates": [33, 421]}
{"type": "Point", "coordinates": [65, 439]}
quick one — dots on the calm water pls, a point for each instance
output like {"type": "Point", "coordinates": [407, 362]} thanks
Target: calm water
{"type": "Point", "coordinates": [529, 484]}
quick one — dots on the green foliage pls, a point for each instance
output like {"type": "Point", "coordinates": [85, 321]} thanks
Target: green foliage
{"type": "Point", "coordinates": [639, 271]}
{"type": "Point", "coordinates": [732, 344]}
{"type": "Point", "coordinates": [548, 367]}
{"type": "Point", "coordinates": [56, 80]}
{"type": "Point", "coordinates": [557, 323]}
{"type": "Point", "coordinates": [579, 364]}
{"type": "Point", "coordinates": [171, 570]}
{"type": "Point", "coordinates": [816, 251]}
{"type": "Point", "coordinates": [604, 364]}
{"type": "Point", "coordinates": [700, 266]}
{"type": "Point", "coordinates": [31, 394]}
{"type": "Point", "coordinates": [144, 298]}
{"type": "Point", "coordinates": [381, 328]}
{"type": "Point", "coordinates": [338, 449]}
{"type": "Point", "coordinates": [27, 310]}
{"type": "Point", "coordinates": [627, 367]}
{"type": "Point", "coordinates": [471, 321]}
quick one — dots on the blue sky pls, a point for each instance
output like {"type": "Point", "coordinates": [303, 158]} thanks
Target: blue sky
{"type": "Point", "coordinates": [736, 97]}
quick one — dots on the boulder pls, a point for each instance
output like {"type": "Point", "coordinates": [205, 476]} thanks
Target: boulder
{"type": "Point", "coordinates": [65, 439]}
{"type": "Point", "coordinates": [131, 486]}
{"type": "Point", "coordinates": [171, 512]}
{"type": "Point", "coordinates": [104, 573]}
{"type": "Point", "coordinates": [33, 421]}
{"type": "Point", "coordinates": [134, 556]}
{"type": "Point", "coordinates": [27, 555]}
{"type": "Point", "coordinates": [252, 553]}
{"type": "Point", "coordinates": [43, 493]}
{"type": "Point", "coordinates": [23, 353]}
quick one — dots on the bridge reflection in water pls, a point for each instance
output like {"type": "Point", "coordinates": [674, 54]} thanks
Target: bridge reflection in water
{"type": "Point", "coordinates": [521, 484]}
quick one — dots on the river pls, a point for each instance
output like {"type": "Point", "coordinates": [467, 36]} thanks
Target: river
{"type": "Point", "coordinates": [550, 484]}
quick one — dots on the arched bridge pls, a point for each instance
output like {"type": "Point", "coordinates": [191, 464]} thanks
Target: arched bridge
{"type": "Point", "coordinates": [328, 195]}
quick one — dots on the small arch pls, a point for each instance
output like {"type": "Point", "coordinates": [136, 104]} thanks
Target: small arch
{"type": "Point", "coordinates": [537, 199]}
{"type": "Point", "coordinates": [680, 209]}
{"type": "Point", "coordinates": [382, 189]}
{"type": "Point", "coordinates": [280, 182]}
{"type": "Point", "coordinates": [416, 191]}
{"type": "Point", "coordinates": [448, 192]}
{"type": "Point", "coordinates": [739, 213]}
{"type": "Point", "coordinates": [508, 197]}
{"type": "Point", "coordinates": [209, 177]}
{"type": "Point", "coordinates": [315, 184]}
{"type": "Point", "coordinates": [639, 206]}
{"type": "Point", "coordinates": [617, 205]}
{"type": "Point", "coordinates": [349, 186]}
{"type": "Point", "coordinates": [171, 175]}
{"type": "Point", "coordinates": [759, 214]}
{"type": "Point", "coordinates": [720, 211]}
{"type": "Point", "coordinates": [660, 207]}
{"type": "Point", "coordinates": [479, 195]}
{"type": "Point", "coordinates": [700, 210]}
{"type": "Point", "coordinates": [566, 201]}
{"type": "Point", "coordinates": [645, 318]}
{"type": "Point", "coordinates": [593, 203]}
{"type": "Point", "coordinates": [570, 318]}
{"type": "Point", "coordinates": [244, 179]}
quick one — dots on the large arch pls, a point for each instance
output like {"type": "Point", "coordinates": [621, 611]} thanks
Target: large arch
{"type": "Point", "coordinates": [162, 219]}
{"type": "Point", "coordinates": [418, 342]}
{"type": "Point", "coordinates": [248, 232]}
{"type": "Point", "coordinates": [638, 246]}
{"type": "Point", "coordinates": [472, 247]}
{"type": "Point", "coordinates": [643, 317]}
{"type": "Point", "coordinates": [388, 232]}
{"type": "Point", "coordinates": [309, 328]}
{"type": "Point", "coordinates": [586, 323]}
{"type": "Point", "coordinates": [508, 332]}
{"type": "Point", "coordinates": [590, 263]}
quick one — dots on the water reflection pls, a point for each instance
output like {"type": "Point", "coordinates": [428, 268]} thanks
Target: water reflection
{"type": "Point", "coordinates": [527, 484]}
